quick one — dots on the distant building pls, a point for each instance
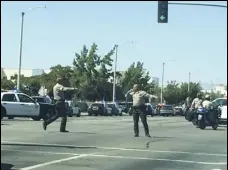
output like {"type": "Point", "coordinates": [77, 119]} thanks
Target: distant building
{"type": "Point", "coordinates": [155, 80]}
{"type": "Point", "coordinates": [37, 72]}
{"type": "Point", "coordinates": [3, 74]}
{"type": "Point", "coordinates": [9, 72]}
{"type": "Point", "coordinates": [220, 89]}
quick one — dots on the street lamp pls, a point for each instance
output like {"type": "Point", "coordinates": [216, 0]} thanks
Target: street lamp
{"type": "Point", "coordinates": [115, 67]}
{"type": "Point", "coordinates": [189, 80]}
{"type": "Point", "coordinates": [21, 41]}
{"type": "Point", "coordinates": [163, 72]}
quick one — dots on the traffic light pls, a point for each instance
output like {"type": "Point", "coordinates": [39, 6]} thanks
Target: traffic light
{"type": "Point", "coordinates": [162, 11]}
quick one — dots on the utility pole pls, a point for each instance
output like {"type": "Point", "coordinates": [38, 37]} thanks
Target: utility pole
{"type": "Point", "coordinates": [114, 76]}
{"type": "Point", "coordinates": [162, 85]}
{"type": "Point", "coordinates": [163, 8]}
{"type": "Point", "coordinates": [189, 81]}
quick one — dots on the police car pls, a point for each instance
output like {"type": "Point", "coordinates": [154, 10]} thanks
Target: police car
{"type": "Point", "coordinates": [222, 104]}
{"type": "Point", "coordinates": [14, 104]}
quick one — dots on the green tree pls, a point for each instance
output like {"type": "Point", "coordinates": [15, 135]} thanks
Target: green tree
{"type": "Point", "coordinates": [7, 84]}
{"type": "Point", "coordinates": [194, 88]}
{"type": "Point", "coordinates": [91, 72]}
{"type": "Point", "coordinates": [136, 74]}
{"type": "Point", "coordinates": [172, 93]}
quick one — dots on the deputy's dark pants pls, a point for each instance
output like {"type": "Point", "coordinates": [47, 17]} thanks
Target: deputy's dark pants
{"type": "Point", "coordinates": [60, 111]}
{"type": "Point", "coordinates": [140, 111]}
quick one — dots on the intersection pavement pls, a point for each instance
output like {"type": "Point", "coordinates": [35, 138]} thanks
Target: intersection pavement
{"type": "Point", "coordinates": [107, 143]}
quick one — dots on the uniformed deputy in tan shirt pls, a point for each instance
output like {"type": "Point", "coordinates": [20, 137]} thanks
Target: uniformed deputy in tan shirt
{"type": "Point", "coordinates": [59, 102]}
{"type": "Point", "coordinates": [139, 97]}
{"type": "Point", "coordinates": [139, 108]}
{"type": "Point", "coordinates": [197, 102]}
{"type": "Point", "coordinates": [58, 91]}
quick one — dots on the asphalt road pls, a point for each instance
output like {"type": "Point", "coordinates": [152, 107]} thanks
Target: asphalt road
{"type": "Point", "coordinates": [107, 143]}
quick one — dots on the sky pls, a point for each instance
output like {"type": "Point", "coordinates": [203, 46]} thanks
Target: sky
{"type": "Point", "coordinates": [194, 39]}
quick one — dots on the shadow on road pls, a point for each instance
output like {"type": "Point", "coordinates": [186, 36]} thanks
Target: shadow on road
{"type": "Point", "coordinates": [219, 129]}
{"type": "Point", "coordinates": [5, 166]}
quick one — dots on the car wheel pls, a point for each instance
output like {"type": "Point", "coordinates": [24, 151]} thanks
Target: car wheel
{"type": "Point", "coordinates": [89, 114]}
{"type": "Point", "coordinates": [10, 117]}
{"type": "Point", "coordinates": [79, 114]}
{"type": "Point", "coordinates": [121, 114]}
{"type": "Point", "coordinates": [96, 114]}
{"type": "Point", "coordinates": [36, 118]}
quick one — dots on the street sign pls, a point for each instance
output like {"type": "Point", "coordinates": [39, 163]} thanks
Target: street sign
{"type": "Point", "coordinates": [162, 11]}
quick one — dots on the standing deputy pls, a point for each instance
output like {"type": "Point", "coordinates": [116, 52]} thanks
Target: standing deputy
{"type": "Point", "coordinates": [139, 108]}
{"type": "Point", "coordinates": [59, 102]}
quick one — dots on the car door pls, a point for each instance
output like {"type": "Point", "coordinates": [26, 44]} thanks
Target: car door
{"type": "Point", "coordinates": [30, 107]}
{"type": "Point", "coordinates": [222, 103]}
{"type": "Point", "coordinates": [224, 109]}
{"type": "Point", "coordinates": [11, 104]}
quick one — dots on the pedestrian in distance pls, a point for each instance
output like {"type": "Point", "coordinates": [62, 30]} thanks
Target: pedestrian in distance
{"type": "Point", "coordinates": [139, 108]}
{"type": "Point", "coordinates": [59, 104]}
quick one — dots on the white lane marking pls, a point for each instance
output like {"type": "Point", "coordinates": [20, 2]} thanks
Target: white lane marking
{"type": "Point", "coordinates": [155, 159]}
{"type": "Point", "coordinates": [216, 169]}
{"type": "Point", "coordinates": [113, 148]}
{"type": "Point", "coordinates": [40, 152]}
{"type": "Point", "coordinates": [53, 162]}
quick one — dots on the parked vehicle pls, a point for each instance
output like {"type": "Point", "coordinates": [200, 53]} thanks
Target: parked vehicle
{"type": "Point", "coordinates": [15, 104]}
{"type": "Point", "coordinates": [114, 110]}
{"type": "Point", "coordinates": [154, 109]}
{"type": "Point", "coordinates": [41, 99]}
{"type": "Point", "coordinates": [149, 109]}
{"type": "Point", "coordinates": [74, 109]}
{"type": "Point", "coordinates": [126, 107]}
{"type": "Point", "coordinates": [46, 102]}
{"type": "Point", "coordinates": [69, 109]}
{"type": "Point", "coordinates": [98, 109]}
{"type": "Point", "coordinates": [167, 110]}
{"type": "Point", "coordinates": [179, 111]}
{"type": "Point", "coordinates": [222, 104]}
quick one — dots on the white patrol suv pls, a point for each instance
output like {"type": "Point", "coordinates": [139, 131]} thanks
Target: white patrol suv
{"type": "Point", "coordinates": [222, 103]}
{"type": "Point", "coordinates": [15, 104]}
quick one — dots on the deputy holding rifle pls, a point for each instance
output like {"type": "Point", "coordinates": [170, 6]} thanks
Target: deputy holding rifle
{"type": "Point", "coordinates": [59, 102]}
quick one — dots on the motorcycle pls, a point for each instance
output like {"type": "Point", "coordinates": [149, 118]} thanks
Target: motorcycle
{"type": "Point", "coordinates": [204, 118]}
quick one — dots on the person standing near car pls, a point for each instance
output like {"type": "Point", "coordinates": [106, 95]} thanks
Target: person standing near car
{"type": "Point", "coordinates": [59, 104]}
{"type": "Point", "coordinates": [139, 108]}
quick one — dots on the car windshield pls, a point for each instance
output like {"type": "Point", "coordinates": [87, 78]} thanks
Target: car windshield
{"type": "Point", "coordinates": [96, 104]}
{"type": "Point", "coordinates": [167, 108]}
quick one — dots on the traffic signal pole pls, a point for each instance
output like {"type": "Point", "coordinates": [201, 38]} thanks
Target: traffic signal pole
{"type": "Point", "coordinates": [197, 4]}
{"type": "Point", "coordinates": [163, 8]}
